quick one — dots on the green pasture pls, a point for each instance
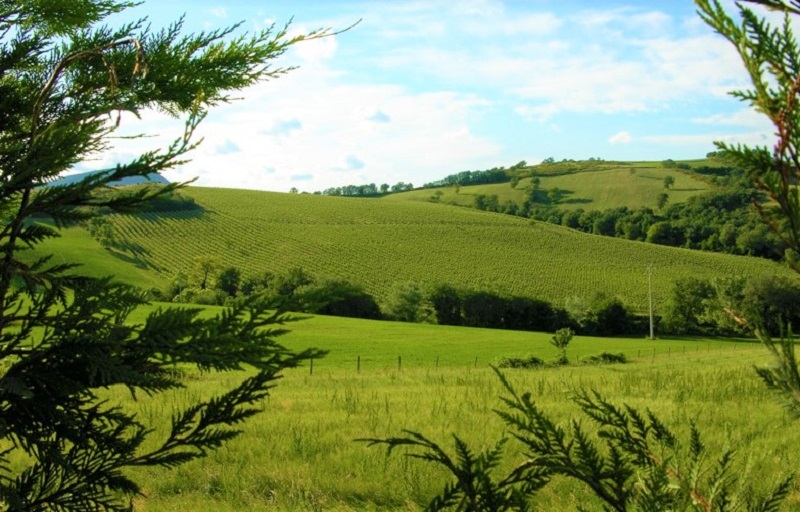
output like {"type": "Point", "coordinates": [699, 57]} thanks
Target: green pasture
{"type": "Point", "coordinates": [381, 244]}
{"type": "Point", "coordinates": [76, 246]}
{"type": "Point", "coordinates": [300, 453]}
{"type": "Point", "coordinates": [634, 185]}
{"type": "Point", "coordinates": [379, 344]}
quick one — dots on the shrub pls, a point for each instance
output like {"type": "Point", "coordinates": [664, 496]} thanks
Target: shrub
{"type": "Point", "coordinates": [605, 358]}
{"type": "Point", "coordinates": [341, 298]}
{"type": "Point", "coordinates": [521, 362]}
{"type": "Point", "coordinates": [561, 339]}
{"type": "Point", "coordinates": [408, 303]}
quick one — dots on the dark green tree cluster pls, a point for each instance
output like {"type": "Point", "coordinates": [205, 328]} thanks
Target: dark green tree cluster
{"type": "Point", "coordinates": [603, 315]}
{"type": "Point", "coordinates": [723, 221]}
{"type": "Point", "coordinates": [294, 290]}
{"type": "Point", "coordinates": [370, 190]}
{"type": "Point", "coordinates": [65, 80]}
{"type": "Point", "coordinates": [465, 178]}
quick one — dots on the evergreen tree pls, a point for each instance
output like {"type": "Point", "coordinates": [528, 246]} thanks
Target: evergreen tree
{"type": "Point", "coordinates": [771, 56]}
{"type": "Point", "coordinates": [64, 81]}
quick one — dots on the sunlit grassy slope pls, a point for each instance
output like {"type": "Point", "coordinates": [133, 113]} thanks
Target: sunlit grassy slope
{"type": "Point", "coordinates": [76, 246]}
{"type": "Point", "coordinates": [635, 185]}
{"type": "Point", "coordinates": [378, 244]}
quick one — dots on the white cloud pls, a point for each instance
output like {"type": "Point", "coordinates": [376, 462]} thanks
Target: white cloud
{"type": "Point", "coordinates": [751, 138]}
{"type": "Point", "coordinates": [313, 50]}
{"type": "Point", "coordinates": [620, 138]}
{"type": "Point", "coordinates": [342, 138]}
{"type": "Point", "coordinates": [625, 60]}
{"type": "Point", "coordinates": [219, 12]}
{"type": "Point", "coordinates": [745, 117]}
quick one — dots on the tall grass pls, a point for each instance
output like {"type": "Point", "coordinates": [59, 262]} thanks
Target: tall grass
{"type": "Point", "coordinates": [300, 453]}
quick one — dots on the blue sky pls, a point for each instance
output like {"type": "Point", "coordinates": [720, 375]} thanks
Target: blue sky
{"type": "Point", "coordinates": [421, 89]}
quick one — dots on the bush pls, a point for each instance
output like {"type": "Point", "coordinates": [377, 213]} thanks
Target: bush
{"type": "Point", "coordinates": [687, 311]}
{"type": "Point", "coordinates": [341, 298]}
{"type": "Point", "coordinates": [606, 358]}
{"type": "Point", "coordinates": [447, 304]}
{"type": "Point", "coordinates": [521, 362]}
{"type": "Point", "coordinates": [771, 302]}
{"type": "Point", "coordinates": [408, 303]}
{"type": "Point", "coordinates": [610, 317]}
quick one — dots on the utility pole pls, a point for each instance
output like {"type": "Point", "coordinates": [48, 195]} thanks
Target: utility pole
{"type": "Point", "coordinates": [650, 295]}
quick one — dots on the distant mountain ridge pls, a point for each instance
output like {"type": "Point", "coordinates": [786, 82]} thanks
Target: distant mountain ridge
{"type": "Point", "coordinates": [132, 180]}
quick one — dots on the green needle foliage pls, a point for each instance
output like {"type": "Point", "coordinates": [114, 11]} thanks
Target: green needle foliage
{"type": "Point", "coordinates": [474, 487]}
{"type": "Point", "coordinates": [65, 79]}
{"type": "Point", "coordinates": [771, 56]}
{"type": "Point", "coordinates": [632, 461]}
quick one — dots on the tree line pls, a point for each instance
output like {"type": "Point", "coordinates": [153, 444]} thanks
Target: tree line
{"type": "Point", "coordinates": [695, 305]}
{"type": "Point", "coordinates": [718, 221]}
{"type": "Point", "coordinates": [370, 190]}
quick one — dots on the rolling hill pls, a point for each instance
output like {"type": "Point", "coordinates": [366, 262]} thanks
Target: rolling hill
{"type": "Point", "coordinates": [380, 244]}
{"type": "Point", "coordinates": [594, 187]}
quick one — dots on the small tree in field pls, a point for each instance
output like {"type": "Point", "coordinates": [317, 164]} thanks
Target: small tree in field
{"type": "Point", "coordinates": [64, 80]}
{"type": "Point", "coordinates": [662, 200]}
{"type": "Point", "coordinates": [205, 269]}
{"type": "Point", "coordinates": [561, 340]}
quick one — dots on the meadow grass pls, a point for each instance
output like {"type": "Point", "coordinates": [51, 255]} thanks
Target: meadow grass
{"type": "Point", "coordinates": [76, 246]}
{"type": "Point", "coordinates": [300, 453]}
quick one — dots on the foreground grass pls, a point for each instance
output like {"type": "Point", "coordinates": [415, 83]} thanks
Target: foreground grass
{"type": "Point", "coordinates": [300, 453]}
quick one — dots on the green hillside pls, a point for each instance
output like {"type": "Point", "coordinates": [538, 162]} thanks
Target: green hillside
{"type": "Point", "coordinates": [596, 187]}
{"type": "Point", "coordinates": [378, 244]}
{"type": "Point", "coordinates": [76, 246]}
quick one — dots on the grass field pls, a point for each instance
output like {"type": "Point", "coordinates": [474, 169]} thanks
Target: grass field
{"type": "Point", "coordinates": [635, 185]}
{"type": "Point", "coordinates": [76, 246]}
{"type": "Point", "coordinates": [379, 244]}
{"type": "Point", "coordinates": [300, 453]}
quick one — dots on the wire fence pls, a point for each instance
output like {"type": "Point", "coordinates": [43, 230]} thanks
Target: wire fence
{"type": "Point", "coordinates": [688, 351]}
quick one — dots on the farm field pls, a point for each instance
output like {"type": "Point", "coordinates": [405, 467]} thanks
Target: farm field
{"type": "Point", "coordinates": [300, 453]}
{"type": "Point", "coordinates": [380, 244]}
{"type": "Point", "coordinates": [635, 185]}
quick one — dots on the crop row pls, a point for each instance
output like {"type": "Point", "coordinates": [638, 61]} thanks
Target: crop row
{"type": "Point", "coordinates": [379, 245]}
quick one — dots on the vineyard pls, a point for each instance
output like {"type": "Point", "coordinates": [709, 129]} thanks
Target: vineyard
{"type": "Point", "coordinates": [610, 185]}
{"type": "Point", "coordinates": [379, 244]}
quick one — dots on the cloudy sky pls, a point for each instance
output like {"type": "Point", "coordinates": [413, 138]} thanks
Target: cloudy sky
{"type": "Point", "coordinates": [422, 88]}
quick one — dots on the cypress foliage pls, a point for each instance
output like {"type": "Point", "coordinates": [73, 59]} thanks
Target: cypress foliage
{"type": "Point", "coordinates": [64, 339]}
